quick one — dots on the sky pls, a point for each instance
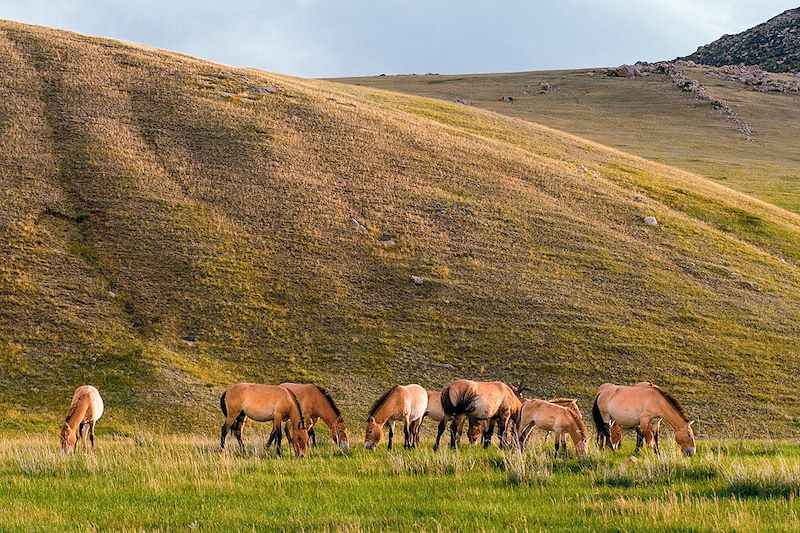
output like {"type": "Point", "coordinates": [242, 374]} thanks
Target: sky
{"type": "Point", "coordinates": [318, 38]}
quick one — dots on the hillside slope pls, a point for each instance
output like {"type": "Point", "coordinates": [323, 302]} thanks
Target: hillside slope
{"type": "Point", "coordinates": [169, 226]}
{"type": "Point", "coordinates": [773, 46]}
{"type": "Point", "coordinates": [647, 116]}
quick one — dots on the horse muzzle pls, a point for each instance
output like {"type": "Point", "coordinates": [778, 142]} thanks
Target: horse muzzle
{"type": "Point", "coordinates": [370, 444]}
{"type": "Point", "coordinates": [688, 452]}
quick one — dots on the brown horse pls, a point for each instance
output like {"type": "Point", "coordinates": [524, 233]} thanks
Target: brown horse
{"type": "Point", "coordinates": [571, 403]}
{"type": "Point", "coordinates": [408, 403]}
{"type": "Point", "coordinates": [316, 403]}
{"type": "Point", "coordinates": [86, 409]}
{"type": "Point", "coordinates": [436, 412]}
{"type": "Point", "coordinates": [263, 403]}
{"type": "Point", "coordinates": [616, 432]}
{"type": "Point", "coordinates": [553, 417]}
{"type": "Point", "coordinates": [494, 401]}
{"type": "Point", "coordinates": [642, 406]}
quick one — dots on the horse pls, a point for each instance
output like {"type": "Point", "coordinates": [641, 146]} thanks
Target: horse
{"type": "Point", "coordinates": [263, 403]}
{"type": "Point", "coordinates": [85, 410]}
{"type": "Point", "coordinates": [408, 403]}
{"type": "Point", "coordinates": [571, 403]}
{"type": "Point", "coordinates": [494, 401]}
{"type": "Point", "coordinates": [642, 406]}
{"type": "Point", "coordinates": [436, 412]}
{"type": "Point", "coordinates": [614, 440]}
{"type": "Point", "coordinates": [556, 418]}
{"type": "Point", "coordinates": [316, 404]}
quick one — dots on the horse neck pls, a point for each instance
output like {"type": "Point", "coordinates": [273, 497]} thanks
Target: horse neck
{"type": "Point", "coordinates": [325, 411]}
{"type": "Point", "coordinates": [77, 412]}
{"type": "Point", "coordinates": [386, 409]}
{"type": "Point", "coordinates": [671, 415]}
{"type": "Point", "coordinates": [295, 414]}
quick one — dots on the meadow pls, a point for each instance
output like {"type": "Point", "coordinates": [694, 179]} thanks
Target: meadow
{"type": "Point", "coordinates": [168, 482]}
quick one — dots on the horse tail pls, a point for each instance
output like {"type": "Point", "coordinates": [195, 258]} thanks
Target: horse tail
{"type": "Point", "coordinates": [222, 404]}
{"type": "Point", "coordinates": [599, 423]}
{"type": "Point", "coordinates": [465, 400]}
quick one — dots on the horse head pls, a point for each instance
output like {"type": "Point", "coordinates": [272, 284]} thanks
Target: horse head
{"type": "Point", "coordinates": [373, 434]}
{"type": "Point", "coordinates": [300, 439]}
{"type": "Point", "coordinates": [68, 438]}
{"type": "Point", "coordinates": [340, 436]}
{"type": "Point", "coordinates": [685, 439]}
{"type": "Point", "coordinates": [615, 430]}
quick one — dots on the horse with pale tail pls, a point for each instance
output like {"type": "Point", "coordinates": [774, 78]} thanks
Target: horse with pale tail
{"type": "Point", "coordinates": [559, 419]}
{"type": "Point", "coordinates": [643, 407]}
{"type": "Point", "coordinates": [494, 401]}
{"type": "Point", "coordinates": [263, 403]}
{"type": "Point", "coordinates": [316, 404]}
{"type": "Point", "coordinates": [407, 403]}
{"type": "Point", "coordinates": [85, 410]}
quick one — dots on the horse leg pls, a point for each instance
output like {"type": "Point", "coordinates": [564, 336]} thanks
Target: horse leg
{"type": "Point", "coordinates": [226, 426]}
{"type": "Point", "coordinates": [406, 432]}
{"type": "Point", "coordinates": [391, 433]}
{"type": "Point", "coordinates": [312, 433]}
{"type": "Point", "coordinates": [415, 434]}
{"type": "Point", "coordinates": [655, 439]}
{"type": "Point", "coordinates": [454, 433]}
{"type": "Point", "coordinates": [439, 432]}
{"type": "Point", "coordinates": [487, 435]}
{"type": "Point", "coordinates": [557, 439]}
{"type": "Point", "coordinates": [91, 433]}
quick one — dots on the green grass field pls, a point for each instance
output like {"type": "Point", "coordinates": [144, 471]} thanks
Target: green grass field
{"type": "Point", "coordinates": [183, 483]}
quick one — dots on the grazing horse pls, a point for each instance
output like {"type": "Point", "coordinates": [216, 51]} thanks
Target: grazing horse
{"type": "Point", "coordinates": [556, 418]}
{"type": "Point", "coordinates": [436, 412]}
{"type": "Point", "coordinates": [571, 403]}
{"type": "Point", "coordinates": [86, 409]}
{"type": "Point", "coordinates": [316, 403]}
{"type": "Point", "coordinates": [263, 403]}
{"type": "Point", "coordinates": [494, 401]}
{"type": "Point", "coordinates": [402, 402]}
{"type": "Point", "coordinates": [642, 406]}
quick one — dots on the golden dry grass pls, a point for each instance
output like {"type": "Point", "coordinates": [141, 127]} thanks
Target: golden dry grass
{"type": "Point", "coordinates": [167, 230]}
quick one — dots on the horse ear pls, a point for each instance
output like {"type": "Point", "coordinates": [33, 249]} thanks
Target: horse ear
{"type": "Point", "coordinates": [371, 420]}
{"type": "Point", "coordinates": [690, 423]}
{"type": "Point", "coordinates": [340, 420]}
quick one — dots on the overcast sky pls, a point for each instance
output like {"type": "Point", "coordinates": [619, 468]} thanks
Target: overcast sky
{"type": "Point", "coordinates": [351, 37]}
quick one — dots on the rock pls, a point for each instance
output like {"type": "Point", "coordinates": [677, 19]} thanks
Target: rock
{"type": "Point", "coordinates": [261, 89]}
{"type": "Point", "coordinates": [545, 87]}
{"type": "Point", "coordinates": [112, 294]}
{"type": "Point", "coordinates": [632, 459]}
{"type": "Point", "coordinates": [639, 198]}
{"type": "Point", "coordinates": [463, 101]}
{"type": "Point", "coordinates": [357, 225]}
{"type": "Point", "coordinates": [388, 243]}
{"type": "Point", "coordinates": [507, 99]}
{"type": "Point", "coordinates": [418, 280]}
{"type": "Point", "coordinates": [651, 221]}
{"type": "Point", "coordinates": [448, 366]}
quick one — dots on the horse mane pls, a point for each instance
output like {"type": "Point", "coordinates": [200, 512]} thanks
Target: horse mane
{"type": "Point", "coordinates": [297, 403]}
{"type": "Point", "coordinates": [672, 400]}
{"type": "Point", "coordinates": [379, 401]}
{"type": "Point", "coordinates": [330, 400]}
{"type": "Point", "coordinates": [72, 409]}
{"type": "Point", "coordinates": [578, 422]}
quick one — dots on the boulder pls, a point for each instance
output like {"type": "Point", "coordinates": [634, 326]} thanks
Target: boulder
{"type": "Point", "coordinates": [651, 221]}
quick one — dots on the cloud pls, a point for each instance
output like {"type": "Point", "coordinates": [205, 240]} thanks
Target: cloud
{"type": "Point", "coordinates": [348, 37]}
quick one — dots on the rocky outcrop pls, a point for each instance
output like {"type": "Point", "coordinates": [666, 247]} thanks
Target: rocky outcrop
{"type": "Point", "coordinates": [774, 46]}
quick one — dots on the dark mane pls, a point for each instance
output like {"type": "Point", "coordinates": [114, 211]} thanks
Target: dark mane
{"type": "Point", "coordinates": [673, 401]}
{"type": "Point", "coordinates": [380, 400]}
{"type": "Point", "coordinates": [330, 400]}
{"type": "Point", "coordinates": [72, 409]}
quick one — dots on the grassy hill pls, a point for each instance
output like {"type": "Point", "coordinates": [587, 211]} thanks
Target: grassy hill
{"type": "Point", "coordinates": [647, 116]}
{"type": "Point", "coordinates": [170, 226]}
